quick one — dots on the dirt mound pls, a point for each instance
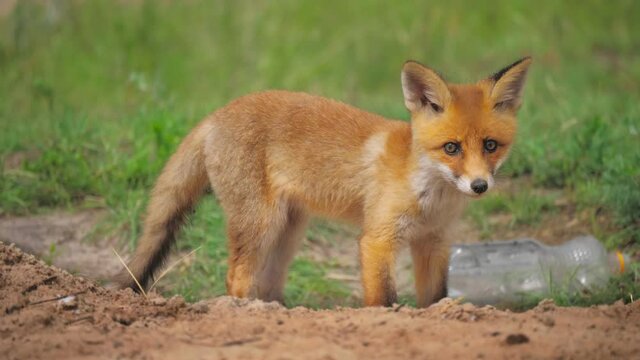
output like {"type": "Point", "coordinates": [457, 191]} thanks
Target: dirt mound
{"type": "Point", "coordinates": [48, 313]}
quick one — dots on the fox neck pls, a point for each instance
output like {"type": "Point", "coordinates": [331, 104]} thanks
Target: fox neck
{"type": "Point", "coordinates": [436, 196]}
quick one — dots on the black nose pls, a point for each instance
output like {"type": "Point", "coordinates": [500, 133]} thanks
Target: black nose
{"type": "Point", "coordinates": [479, 186]}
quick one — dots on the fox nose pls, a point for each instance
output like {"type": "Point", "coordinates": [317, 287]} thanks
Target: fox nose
{"type": "Point", "coordinates": [479, 186]}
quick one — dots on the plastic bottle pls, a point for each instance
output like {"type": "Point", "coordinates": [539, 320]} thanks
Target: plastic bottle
{"type": "Point", "coordinates": [502, 272]}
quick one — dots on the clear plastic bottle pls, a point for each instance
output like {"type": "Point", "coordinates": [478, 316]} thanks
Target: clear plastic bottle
{"type": "Point", "coordinates": [501, 272]}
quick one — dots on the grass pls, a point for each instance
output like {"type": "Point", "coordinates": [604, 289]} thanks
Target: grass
{"type": "Point", "coordinates": [620, 287]}
{"type": "Point", "coordinates": [525, 207]}
{"type": "Point", "coordinates": [95, 97]}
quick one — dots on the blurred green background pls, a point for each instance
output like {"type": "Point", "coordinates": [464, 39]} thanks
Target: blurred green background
{"type": "Point", "coordinates": [95, 95]}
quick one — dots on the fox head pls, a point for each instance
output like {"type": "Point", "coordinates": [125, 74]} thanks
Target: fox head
{"type": "Point", "coordinates": [463, 132]}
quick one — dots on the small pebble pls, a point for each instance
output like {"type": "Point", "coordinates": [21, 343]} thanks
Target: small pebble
{"type": "Point", "coordinates": [68, 303]}
{"type": "Point", "coordinates": [159, 301]}
{"type": "Point", "coordinates": [177, 302]}
{"type": "Point", "coordinates": [516, 339]}
{"type": "Point", "coordinates": [200, 307]}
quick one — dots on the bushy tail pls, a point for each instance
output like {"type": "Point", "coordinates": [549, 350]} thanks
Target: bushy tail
{"type": "Point", "coordinates": [180, 185]}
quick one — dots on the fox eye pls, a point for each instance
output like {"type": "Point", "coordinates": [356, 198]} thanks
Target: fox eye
{"type": "Point", "coordinates": [490, 145]}
{"type": "Point", "coordinates": [451, 148]}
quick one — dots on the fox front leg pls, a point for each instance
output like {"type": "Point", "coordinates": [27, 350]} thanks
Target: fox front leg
{"type": "Point", "coordinates": [377, 259]}
{"type": "Point", "coordinates": [430, 262]}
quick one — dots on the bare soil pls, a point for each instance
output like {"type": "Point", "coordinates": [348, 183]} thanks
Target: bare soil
{"type": "Point", "coordinates": [48, 313]}
{"type": "Point", "coordinates": [62, 239]}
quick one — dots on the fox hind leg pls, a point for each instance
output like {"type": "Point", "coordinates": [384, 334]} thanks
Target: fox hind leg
{"type": "Point", "coordinates": [250, 237]}
{"type": "Point", "coordinates": [273, 273]}
{"type": "Point", "coordinates": [261, 250]}
{"type": "Point", "coordinates": [263, 229]}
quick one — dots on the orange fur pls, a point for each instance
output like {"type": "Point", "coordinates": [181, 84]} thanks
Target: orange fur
{"type": "Point", "coordinates": [275, 158]}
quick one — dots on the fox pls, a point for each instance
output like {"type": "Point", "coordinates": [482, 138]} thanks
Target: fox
{"type": "Point", "coordinates": [273, 159]}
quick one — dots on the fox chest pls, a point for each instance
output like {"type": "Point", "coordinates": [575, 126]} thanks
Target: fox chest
{"type": "Point", "coordinates": [433, 219]}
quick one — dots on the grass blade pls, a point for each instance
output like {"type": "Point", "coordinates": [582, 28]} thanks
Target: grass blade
{"type": "Point", "coordinates": [130, 273]}
{"type": "Point", "coordinates": [172, 266]}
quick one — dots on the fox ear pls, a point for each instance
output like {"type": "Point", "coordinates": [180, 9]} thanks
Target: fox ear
{"type": "Point", "coordinates": [423, 88]}
{"type": "Point", "coordinates": [506, 92]}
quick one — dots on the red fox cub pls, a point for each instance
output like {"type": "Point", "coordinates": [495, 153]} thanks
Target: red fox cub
{"type": "Point", "coordinates": [275, 158]}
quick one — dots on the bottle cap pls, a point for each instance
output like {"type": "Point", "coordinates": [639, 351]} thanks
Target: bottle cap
{"type": "Point", "coordinates": [618, 262]}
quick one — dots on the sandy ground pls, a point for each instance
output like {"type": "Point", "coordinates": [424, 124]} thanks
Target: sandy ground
{"type": "Point", "coordinates": [62, 239]}
{"type": "Point", "coordinates": [49, 313]}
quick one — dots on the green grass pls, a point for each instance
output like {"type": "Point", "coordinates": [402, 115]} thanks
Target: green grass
{"type": "Point", "coordinates": [97, 96]}
{"type": "Point", "coordinates": [524, 207]}
{"type": "Point", "coordinates": [620, 287]}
